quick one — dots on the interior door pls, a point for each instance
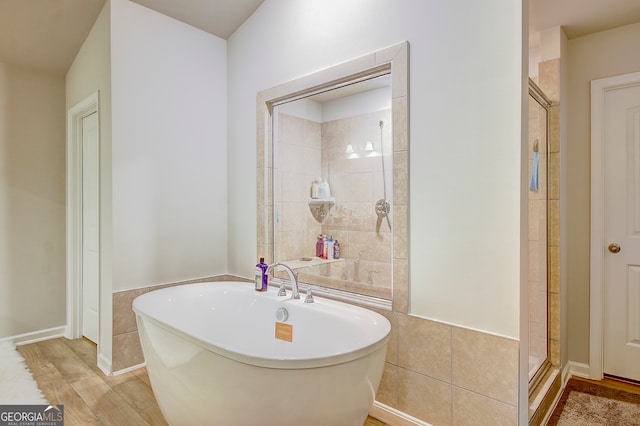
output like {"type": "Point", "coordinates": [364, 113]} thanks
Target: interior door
{"type": "Point", "coordinates": [622, 232]}
{"type": "Point", "coordinates": [90, 236]}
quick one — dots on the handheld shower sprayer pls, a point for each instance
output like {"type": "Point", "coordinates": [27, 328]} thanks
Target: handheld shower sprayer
{"type": "Point", "coordinates": [382, 207]}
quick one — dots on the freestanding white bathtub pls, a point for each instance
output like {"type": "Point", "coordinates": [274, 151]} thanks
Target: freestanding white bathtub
{"type": "Point", "coordinates": [214, 356]}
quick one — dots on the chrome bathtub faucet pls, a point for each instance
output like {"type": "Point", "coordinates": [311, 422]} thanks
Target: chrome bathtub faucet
{"type": "Point", "coordinates": [293, 276]}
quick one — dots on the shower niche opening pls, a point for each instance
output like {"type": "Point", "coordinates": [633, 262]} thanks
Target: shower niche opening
{"type": "Point", "coordinates": [340, 139]}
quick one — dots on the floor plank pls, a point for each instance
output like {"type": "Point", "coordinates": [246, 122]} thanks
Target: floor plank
{"type": "Point", "coordinates": [58, 391]}
{"type": "Point", "coordinates": [66, 361]}
{"type": "Point", "coordinates": [141, 398]}
{"type": "Point", "coordinates": [106, 404]}
{"type": "Point", "coordinates": [614, 384]}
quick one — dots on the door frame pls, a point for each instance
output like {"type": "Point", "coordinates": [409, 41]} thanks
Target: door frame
{"type": "Point", "coordinates": [75, 115]}
{"type": "Point", "coordinates": [599, 88]}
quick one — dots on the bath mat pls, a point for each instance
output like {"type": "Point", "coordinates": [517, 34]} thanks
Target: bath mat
{"type": "Point", "coordinates": [586, 403]}
{"type": "Point", "coordinates": [16, 383]}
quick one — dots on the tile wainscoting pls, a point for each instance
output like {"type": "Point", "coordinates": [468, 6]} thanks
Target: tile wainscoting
{"type": "Point", "coordinates": [435, 372]}
{"type": "Point", "coordinates": [127, 352]}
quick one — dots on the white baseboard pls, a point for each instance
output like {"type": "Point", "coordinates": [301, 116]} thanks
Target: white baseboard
{"type": "Point", "coordinates": [36, 336]}
{"type": "Point", "coordinates": [578, 369]}
{"type": "Point", "coordinates": [104, 364]}
{"type": "Point", "coordinates": [393, 417]}
{"type": "Point", "coordinates": [126, 370]}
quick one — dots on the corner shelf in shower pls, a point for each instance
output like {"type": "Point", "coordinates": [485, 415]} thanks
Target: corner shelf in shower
{"type": "Point", "coordinates": [320, 207]}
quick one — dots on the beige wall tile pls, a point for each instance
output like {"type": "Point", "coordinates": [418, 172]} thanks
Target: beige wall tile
{"type": "Point", "coordinates": [554, 223]}
{"type": "Point", "coordinates": [554, 352]}
{"type": "Point", "coordinates": [543, 221]}
{"type": "Point", "coordinates": [549, 78]}
{"type": "Point", "coordinates": [425, 347]}
{"type": "Point", "coordinates": [124, 319]}
{"type": "Point", "coordinates": [400, 177]}
{"type": "Point", "coordinates": [472, 409]}
{"type": "Point", "coordinates": [375, 247]}
{"type": "Point", "coordinates": [534, 261]}
{"type": "Point", "coordinates": [388, 391]}
{"type": "Point", "coordinates": [401, 285]}
{"type": "Point", "coordinates": [127, 351]}
{"type": "Point", "coordinates": [543, 264]}
{"type": "Point", "coordinates": [554, 316]}
{"type": "Point", "coordinates": [554, 269]}
{"type": "Point", "coordinates": [554, 176]}
{"type": "Point", "coordinates": [360, 185]}
{"type": "Point", "coordinates": [400, 137]}
{"type": "Point", "coordinates": [425, 398]}
{"type": "Point", "coordinates": [485, 364]}
{"type": "Point", "coordinates": [336, 133]}
{"type": "Point", "coordinates": [401, 231]}
{"type": "Point", "coordinates": [534, 221]}
{"type": "Point", "coordinates": [554, 128]}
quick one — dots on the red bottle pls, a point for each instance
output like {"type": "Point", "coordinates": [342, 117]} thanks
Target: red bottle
{"type": "Point", "coordinates": [320, 246]}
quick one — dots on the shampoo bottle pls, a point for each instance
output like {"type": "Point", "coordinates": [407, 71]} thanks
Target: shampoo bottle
{"type": "Point", "coordinates": [319, 246]}
{"type": "Point", "coordinates": [330, 248]}
{"type": "Point", "coordinates": [325, 248]}
{"type": "Point", "coordinates": [261, 275]}
{"type": "Point", "coordinates": [336, 249]}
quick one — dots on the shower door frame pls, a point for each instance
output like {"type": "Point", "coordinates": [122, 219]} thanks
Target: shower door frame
{"type": "Point", "coordinates": [536, 93]}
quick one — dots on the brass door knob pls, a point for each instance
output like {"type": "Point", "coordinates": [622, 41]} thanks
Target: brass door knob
{"type": "Point", "coordinates": [614, 248]}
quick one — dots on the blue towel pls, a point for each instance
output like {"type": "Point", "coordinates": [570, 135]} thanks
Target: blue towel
{"type": "Point", "coordinates": [533, 183]}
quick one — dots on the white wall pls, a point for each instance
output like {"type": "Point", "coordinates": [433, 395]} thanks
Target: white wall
{"type": "Point", "coordinates": [169, 149]}
{"type": "Point", "coordinates": [344, 107]}
{"type": "Point", "coordinates": [465, 136]}
{"type": "Point", "coordinates": [362, 103]}
{"type": "Point", "coordinates": [599, 55]}
{"type": "Point", "coordinates": [32, 200]}
{"type": "Point", "coordinates": [90, 73]}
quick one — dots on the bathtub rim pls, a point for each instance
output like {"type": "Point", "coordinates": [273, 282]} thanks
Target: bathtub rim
{"type": "Point", "coordinates": [266, 362]}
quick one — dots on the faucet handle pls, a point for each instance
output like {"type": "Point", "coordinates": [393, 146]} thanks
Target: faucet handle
{"type": "Point", "coordinates": [309, 298]}
{"type": "Point", "coordinates": [282, 291]}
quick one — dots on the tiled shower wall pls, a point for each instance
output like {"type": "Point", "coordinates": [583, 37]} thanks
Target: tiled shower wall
{"type": "Point", "coordinates": [358, 181]}
{"type": "Point", "coordinates": [308, 149]}
{"type": "Point", "coordinates": [299, 147]}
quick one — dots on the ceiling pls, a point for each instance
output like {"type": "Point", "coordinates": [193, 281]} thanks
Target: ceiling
{"type": "Point", "coordinates": [47, 34]}
{"type": "Point", "coordinates": [582, 17]}
{"type": "Point", "coordinates": [218, 17]}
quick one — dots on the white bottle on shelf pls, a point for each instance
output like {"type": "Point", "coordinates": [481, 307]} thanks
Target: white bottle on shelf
{"type": "Point", "coordinates": [330, 252]}
{"type": "Point", "coordinates": [324, 191]}
{"type": "Point", "coordinates": [315, 188]}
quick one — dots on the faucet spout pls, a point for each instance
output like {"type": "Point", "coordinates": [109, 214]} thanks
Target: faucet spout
{"type": "Point", "coordinates": [293, 276]}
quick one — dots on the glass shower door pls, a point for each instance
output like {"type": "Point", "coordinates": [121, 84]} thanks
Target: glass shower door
{"type": "Point", "coordinates": [538, 234]}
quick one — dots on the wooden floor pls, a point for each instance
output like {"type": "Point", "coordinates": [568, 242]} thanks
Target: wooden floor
{"type": "Point", "coordinates": [66, 372]}
{"type": "Point", "coordinates": [614, 384]}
